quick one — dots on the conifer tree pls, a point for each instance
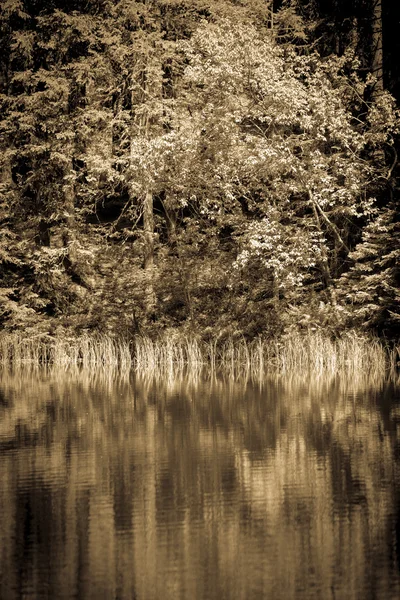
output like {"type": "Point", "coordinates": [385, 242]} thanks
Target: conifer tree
{"type": "Point", "coordinates": [371, 288]}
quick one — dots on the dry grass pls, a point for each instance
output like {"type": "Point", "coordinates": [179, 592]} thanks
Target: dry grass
{"type": "Point", "coordinates": [309, 353]}
{"type": "Point", "coordinates": [85, 351]}
{"type": "Point", "coordinates": [166, 354]}
{"type": "Point", "coordinates": [318, 353]}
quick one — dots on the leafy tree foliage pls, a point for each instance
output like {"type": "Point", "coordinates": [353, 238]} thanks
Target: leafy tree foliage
{"type": "Point", "coordinates": [186, 163]}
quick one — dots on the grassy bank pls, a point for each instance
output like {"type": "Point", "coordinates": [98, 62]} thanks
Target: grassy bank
{"type": "Point", "coordinates": [311, 352]}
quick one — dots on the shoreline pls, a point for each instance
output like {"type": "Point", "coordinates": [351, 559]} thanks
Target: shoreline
{"type": "Point", "coordinates": [310, 351]}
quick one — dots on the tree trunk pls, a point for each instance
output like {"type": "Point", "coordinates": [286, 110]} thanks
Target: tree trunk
{"type": "Point", "coordinates": [275, 291]}
{"type": "Point", "coordinates": [148, 227]}
{"type": "Point", "coordinates": [148, 230]}
{"type": "Point", "coordinates": [324, 264]}
{"type": "Point", "coordinates": [63, 234]}
{"type": "Point", "coordinates": [6, 171]}
{"type": "Point", "coordinates": [146, 86]}
{"type": "Point", "coordinates": [377, 51]}
{"type": "Point", "coordinates": [170, 219]}
{"type": "Point", "coordinates": [271, 8]}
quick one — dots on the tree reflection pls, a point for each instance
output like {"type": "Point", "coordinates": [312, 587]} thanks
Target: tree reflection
{"type": "Point", "coordinates": [119, 486]}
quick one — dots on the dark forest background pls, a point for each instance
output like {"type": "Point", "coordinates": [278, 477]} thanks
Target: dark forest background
{"type": "Point", "coordinates": [221, 168]}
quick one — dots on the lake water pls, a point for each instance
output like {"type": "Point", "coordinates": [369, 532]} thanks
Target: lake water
{"type": "Point", "coordinates": [198, 487]}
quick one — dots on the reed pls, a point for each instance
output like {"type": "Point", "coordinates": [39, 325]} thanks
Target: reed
{"type": "Point", "coordinates": [84, 351]}
{"type": "Point", "coordinates": [319, 353]}
{"type": "Point", "coordinates": [167, 354]}
{"type": "Point", "coordinates": [313, 352]}
{"type": "Point", "coordinates": [301, 353]}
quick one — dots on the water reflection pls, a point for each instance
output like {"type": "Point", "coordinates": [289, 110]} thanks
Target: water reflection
{"type": "Point", "coordinates": [198, 487]}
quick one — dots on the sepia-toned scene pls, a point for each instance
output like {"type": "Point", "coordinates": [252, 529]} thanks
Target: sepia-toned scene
{"type": "Point", "coordinates": [199, 300]}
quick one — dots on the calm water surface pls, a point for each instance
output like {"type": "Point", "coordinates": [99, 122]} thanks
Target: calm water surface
{"type": "Point", "coordinates": [198, 488]}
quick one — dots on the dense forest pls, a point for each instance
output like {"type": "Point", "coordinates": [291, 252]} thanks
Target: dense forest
{"type": "Point", "coordinates": [219, 167]}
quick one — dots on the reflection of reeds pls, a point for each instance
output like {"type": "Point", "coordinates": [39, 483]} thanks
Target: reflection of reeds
{"type": "Point", "coordinates": [136, 466]}
{"type": "Point", "coordinates": [169, 354]}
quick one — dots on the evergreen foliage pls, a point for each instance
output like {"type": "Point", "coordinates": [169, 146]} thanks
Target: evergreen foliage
{"type": "Point", "coordinates": [372, 286]}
